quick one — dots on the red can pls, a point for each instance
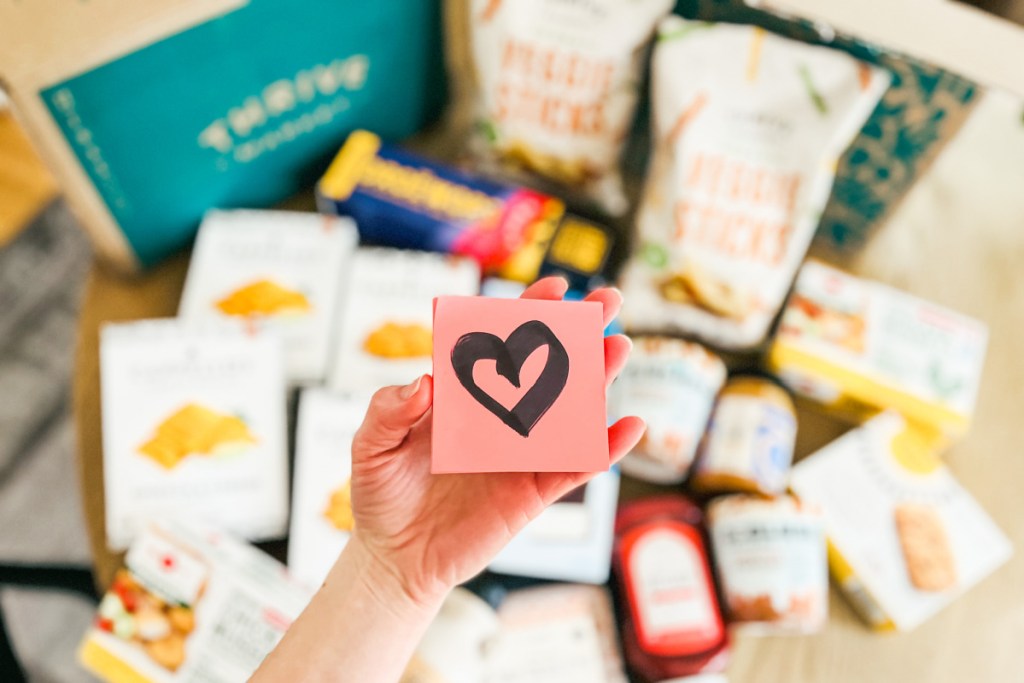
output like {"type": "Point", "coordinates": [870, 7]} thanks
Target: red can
{"type": "Point", "coordinates": [672, 623]}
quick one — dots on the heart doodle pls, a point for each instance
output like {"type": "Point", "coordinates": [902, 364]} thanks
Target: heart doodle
{"type": "Point", "coordinates": [509, 356]}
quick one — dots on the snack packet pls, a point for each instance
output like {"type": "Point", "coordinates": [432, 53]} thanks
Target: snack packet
{"type": "Point", "coordinates": [557, 86]}
{"type": "Point", "coordinates": [192, 603]}
{"type": "Point", "coordinates": [748, 127]}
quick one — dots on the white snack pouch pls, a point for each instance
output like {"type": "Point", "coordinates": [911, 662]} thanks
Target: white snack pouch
{"type": "Point", "coordinates": [748, 127]}
{"type": "Point", "coordinates": [557, 87]}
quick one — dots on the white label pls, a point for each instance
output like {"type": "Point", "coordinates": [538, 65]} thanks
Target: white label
{"type": "Point", "coordinates": [671, 589]}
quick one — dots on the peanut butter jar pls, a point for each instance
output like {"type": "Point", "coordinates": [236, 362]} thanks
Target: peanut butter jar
{"type": "Point", "coordinates": [748, 447]}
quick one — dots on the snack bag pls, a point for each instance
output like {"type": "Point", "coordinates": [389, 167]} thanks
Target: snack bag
{"type": "Point", "coordinates": [557, 87]}
{"type": "Point", "coordinates": [747, 130]}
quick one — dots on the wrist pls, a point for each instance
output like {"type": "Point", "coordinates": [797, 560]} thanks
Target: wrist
{"type": "Point", "coordinates": [386, 584]}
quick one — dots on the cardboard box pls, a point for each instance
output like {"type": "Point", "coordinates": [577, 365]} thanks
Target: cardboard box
{"type": "Point", "coordinates": [191, 604]}
{"type": "Point", "coordinates": [857, 347]}
{"type": "Point", "coordinates": [150, 113]}
{"type": "Point", "coordinates": [867, 484]}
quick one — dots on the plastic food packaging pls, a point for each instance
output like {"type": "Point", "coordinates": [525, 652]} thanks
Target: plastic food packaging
{"type": "Point", "coordinates": [747, 130]}
{"type": "Point", "coordinates": [556, 88]}
{"type": "Point", "coordinates": [771, 561]}
{"type": "Point", "coordinates": [672, 625]}
{"type": "Point", "coordinates": [672, 385]}
{"type": "Point", "coordinates": [400, 199]}
{"type": "Point", "coordinates": [276, 269]}
{"type": "Point", "coordinates": [749, 443]}
{"type": "Point", "coordinates": [856, 347]}
{"type": "Point", "coordinates": [905, 538]}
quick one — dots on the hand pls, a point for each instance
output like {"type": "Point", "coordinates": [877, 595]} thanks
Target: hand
{"type": "Point", "coordinates": [432, 532]}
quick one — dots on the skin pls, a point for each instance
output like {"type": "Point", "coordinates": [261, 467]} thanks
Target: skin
{"type": "Point", "coordinates": [418, 535]}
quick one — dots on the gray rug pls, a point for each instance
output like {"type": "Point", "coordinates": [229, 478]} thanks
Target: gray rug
{"type": "Point", "coordinates": [41, 278]}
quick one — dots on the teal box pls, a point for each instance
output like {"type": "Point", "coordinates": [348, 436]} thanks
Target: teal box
{"type": "Point", "coordinates": [246, 109]}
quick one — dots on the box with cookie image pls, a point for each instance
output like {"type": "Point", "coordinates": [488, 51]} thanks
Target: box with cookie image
{"type": "Point", "coordinates": [322, 520]}
{"type": "Point", "coordinates": [904, 537]}
{"type": "Point", "coordinates": [193, 425]}
{"type": "Point", "coordinates": [386, 315]}
{"type": "Point", "coordinates": [190, 604]}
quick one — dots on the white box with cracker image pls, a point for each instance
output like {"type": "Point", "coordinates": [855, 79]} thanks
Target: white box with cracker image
{"type": "Point", "coordinates": [905, 538]}
{"type": "Point", "coordinates": [387, 315]}
{"type": "Point", "coordinates": [322, 495]}
{"type": "Point", "coordinates": [193, 426]}
{"type": "Point", "coordinates": [275, 269]}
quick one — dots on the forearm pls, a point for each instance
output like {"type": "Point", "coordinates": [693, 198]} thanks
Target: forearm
{"type": "Point", "coordinates": [360, 626]}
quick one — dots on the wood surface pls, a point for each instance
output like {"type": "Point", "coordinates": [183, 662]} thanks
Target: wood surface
{"type": "Point", "coordinates": [25, 184]}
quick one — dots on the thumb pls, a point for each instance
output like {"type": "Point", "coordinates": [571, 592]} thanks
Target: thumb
{"type": "Point", "coordinates": [392, 413]}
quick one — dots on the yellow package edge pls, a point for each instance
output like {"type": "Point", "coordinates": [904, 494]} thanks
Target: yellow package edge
{"type": "Point", "coordinates": [342, 176]}
{"type": "Point", "coordinates": [845, 578]}
{"type": "Point", "coordinates": [856, 387]}
{"type": "Point", "coordinates": [106, 665]}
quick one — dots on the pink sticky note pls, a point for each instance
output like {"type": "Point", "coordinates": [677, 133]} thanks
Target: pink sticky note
{"type": "Point", "coordinates": [553, 421]}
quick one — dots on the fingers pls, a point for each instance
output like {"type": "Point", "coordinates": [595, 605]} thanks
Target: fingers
{"type": "Point", "coordinates": [546, 288]}
{"type": "Point", "coordinates": [623, 436]}
{"type": "Point", "coordinates": [392, 413]}
{"type": "Point", "coordinates": [616, 353]}
{"type": "Point", "coordinates": [610, 298]}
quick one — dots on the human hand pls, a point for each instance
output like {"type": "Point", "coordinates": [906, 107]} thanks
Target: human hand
{"type": "Point", "coordinates": [427, 533]}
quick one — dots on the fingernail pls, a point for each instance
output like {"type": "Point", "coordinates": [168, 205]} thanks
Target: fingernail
{"type": "Point", "coordinates": [409, 390]}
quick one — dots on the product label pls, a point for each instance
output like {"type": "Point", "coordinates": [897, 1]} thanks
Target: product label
{"type": "Point", "coordinates": [751, 439]}
{"type": "Point", "coordinates": [671, 594]}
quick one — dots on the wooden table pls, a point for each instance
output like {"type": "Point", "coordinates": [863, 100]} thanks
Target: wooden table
{"type": "Point", "coordinates": [962, 254]}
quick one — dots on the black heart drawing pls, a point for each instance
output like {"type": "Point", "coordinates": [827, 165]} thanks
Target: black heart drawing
{"type": "Point", "coordinates": [509, 356]}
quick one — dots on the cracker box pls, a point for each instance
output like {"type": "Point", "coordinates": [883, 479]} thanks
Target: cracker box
{"type": "Point", "coordinates": [904, 537]}
{"type": "Point", "coordinates": [193, 424]}
{"type": "Point", "coordinates": [322, 501]}
{"type": "Point", "coordinates": [387, 315]}
{"type": "Point", "coordinates": [275, 269]}
{"type": "Point", "coordinates": [571, 540]}
{"type": "Point", "coordinates": [857, 347]}
{"type": "Point", "coordinates": [190, 604]}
